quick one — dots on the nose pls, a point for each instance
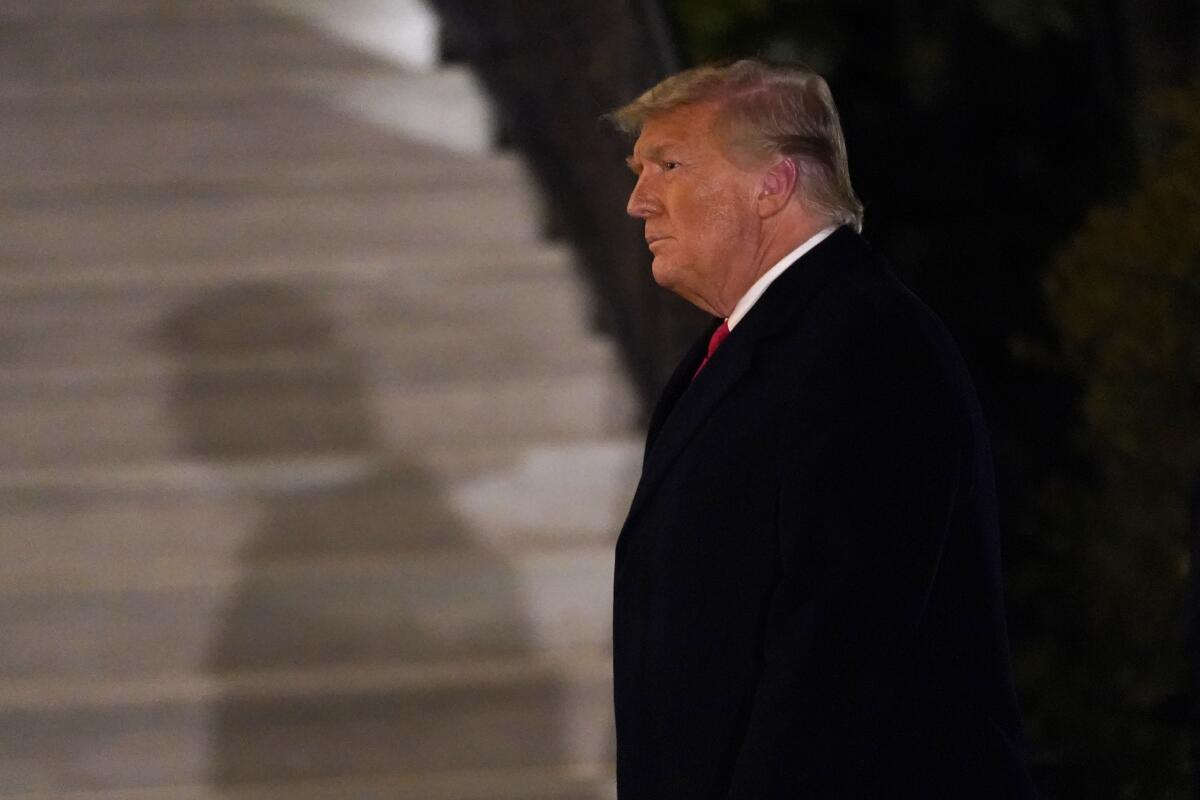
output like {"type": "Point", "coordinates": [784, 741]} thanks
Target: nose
{"type": "Point", "coordinates": [641, 203]}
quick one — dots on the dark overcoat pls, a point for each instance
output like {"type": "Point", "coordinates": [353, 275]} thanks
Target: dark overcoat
{"type": "Point", "coordinates": [807, 587]}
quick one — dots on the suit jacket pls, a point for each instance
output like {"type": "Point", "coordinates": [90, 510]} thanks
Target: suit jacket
{"type": "Point", "coordinates": [807, 591]}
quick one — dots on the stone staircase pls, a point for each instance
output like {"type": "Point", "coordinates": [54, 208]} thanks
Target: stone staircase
{"type": "Point", "coordinates": [310, 461]}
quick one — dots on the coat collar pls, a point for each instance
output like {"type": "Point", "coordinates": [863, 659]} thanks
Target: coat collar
{"type": "Point", "coordinates": [685, 404]}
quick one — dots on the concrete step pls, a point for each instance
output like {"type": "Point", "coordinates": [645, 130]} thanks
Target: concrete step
{"type": "Point", "coordinates": [448, 265]}
{"type": "Point", "coordinates": [94, 367]}
{"type": "Point", "coordinates": [57, 12]}
{"type": "Point", "coordinates": [73, 134]}
{"type": "Point", "coordinates": [477, 716]}
{"type": "Point", "coordinates": [404, 32]}
{"type": "Point", "coordinates": [225, 47]}
{"type": "Point", "coordinates": [566, 782]}
{"type": "Point", "coordinates": [418, 606]}
{"type": "Point", "coordinates": [77, 528]}
{"type": "Point", "coordinates": [258, 224]}
{"type": "Point", "coordinates": [364, 355]}
{"type": "Point", "coordinates": [241, 315]}
{"type": "Point", "coordinates": [447, 107]}
{"type": "Point", "coordinates": [258, 422]}
{"type": "Point", "coordinates": [410, 165]}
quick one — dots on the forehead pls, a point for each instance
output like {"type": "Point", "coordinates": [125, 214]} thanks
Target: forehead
{"type": "Point", "coordinates": [689, 126]}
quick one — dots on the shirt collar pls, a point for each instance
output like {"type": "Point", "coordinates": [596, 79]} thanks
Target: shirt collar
{"type": "Point", "coordinates": [756, 291]}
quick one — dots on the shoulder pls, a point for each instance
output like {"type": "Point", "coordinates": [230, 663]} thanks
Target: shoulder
{"type": "Point", "coordinates": [864, 311]}
{"type": "Point", "coordinates": [864, 341]}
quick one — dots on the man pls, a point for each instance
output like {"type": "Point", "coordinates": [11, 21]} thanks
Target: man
{"type": "Point", "coordinates": [807, 592]}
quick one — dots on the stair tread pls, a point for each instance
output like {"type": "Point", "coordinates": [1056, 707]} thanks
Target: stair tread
{"type": "Point", "coordinates": [260, 225]}
{"type": "Point", "coordinates": [191, 475]}
{"type": "Point", "coordinates": [59, 12]}
{"type": "Point", "coordinates": [322, 727]}
{"type": "Point", "coordinates": [449, 264]}
{"type": "Point", "coordinates": [164, 46]}
{"type": "Point", "coordinates": [80, 527]}
{"type": "Point", "coordinates": [96, 182]}
{"type": "Point", "coordinates": [245, 137]}
{"type": "Point", "coordinates": [260, 306]}
{"type": "Point", "coordinates": [293, 564]}
{"type": "Point", "coordinates": [127, 372]}
{"type": "Point", "coordinates": [324, 682]}
{"type": "Point", "coordinates": [585, 781]}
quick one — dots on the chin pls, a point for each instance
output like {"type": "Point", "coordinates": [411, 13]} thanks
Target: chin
{"type": "Point", "coordinates": [664, 275]}
{"type": "Point", "coordinates": [670, 279]}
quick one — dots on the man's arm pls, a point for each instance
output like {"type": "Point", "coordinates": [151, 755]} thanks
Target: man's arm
{"type": "Point", "coordinates": [869, 474]}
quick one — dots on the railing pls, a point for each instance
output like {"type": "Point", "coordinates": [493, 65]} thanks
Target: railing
{"type": "Point", "coordinates": [553, 69]}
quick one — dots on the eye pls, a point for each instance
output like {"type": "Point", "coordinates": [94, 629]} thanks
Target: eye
{"type": "Point", "coordinates": [670, 165]}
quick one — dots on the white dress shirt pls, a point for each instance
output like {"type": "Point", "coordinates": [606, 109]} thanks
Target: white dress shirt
{"type": "Point", "coordinates": [756, 291]}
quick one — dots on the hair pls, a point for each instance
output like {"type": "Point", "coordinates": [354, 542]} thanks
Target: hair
{"type": "Point", "coordinates": [765, 110]}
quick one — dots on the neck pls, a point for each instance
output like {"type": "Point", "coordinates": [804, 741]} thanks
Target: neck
{"type": "Point", "coordinates": [779, 236]}
{"type": "Point", "coordinates": [780, 239]}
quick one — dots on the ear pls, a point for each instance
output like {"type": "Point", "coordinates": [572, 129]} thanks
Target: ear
{"type": "Point", "coordinates": [776, 187]}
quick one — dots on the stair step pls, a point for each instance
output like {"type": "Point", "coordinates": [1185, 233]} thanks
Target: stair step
{"type": "Point", "coordinates": [57, 12]}
{"type": "Point", "coordinates": [253, 314]}
{"type": "Point", "coordinates": [444, 264]}
{"type": "Point", "coordinates": [141, 36]}
{"type": "Point", "coordinates": [567, 782]}
{"type": "Point", "coordinates": [405, 166]}
{"type": "Point", "coordinates": [93, 367]}
{"type": "Point", "coordinates": [380, 354]}
{"type": "Point", "coordinates": [221, 47]}
{"type": "Point", "coordinates": [447, 107]}
{"type": "Point", "coordinates": [403, 32]}
{"type": "Point", "coordinates": [54, 138]}
{"type": "Point", "coordinates": [66, 527]}
{"type": "Point", "coordinates": [261, 423]}
{"type": "Point", "coordinates": [261, 224]}
{"type": "Point", "coordinates": [504, 714]}
{"type": "Point", "coordinates": [418, 606]}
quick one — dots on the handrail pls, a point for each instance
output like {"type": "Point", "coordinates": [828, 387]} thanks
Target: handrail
{"type": "Point", "coordinates": [553, 70]}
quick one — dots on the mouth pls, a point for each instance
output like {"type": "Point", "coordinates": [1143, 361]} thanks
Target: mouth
{"type": "Point", "coordinates": [651, 240]}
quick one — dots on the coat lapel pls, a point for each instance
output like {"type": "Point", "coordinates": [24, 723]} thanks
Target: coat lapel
{"type": "Point", "coordinates": [677, 384]}
{"type": "Point", "coordinates": [694, 405]}
{"type": "Point", "coordinates": [686, 404]}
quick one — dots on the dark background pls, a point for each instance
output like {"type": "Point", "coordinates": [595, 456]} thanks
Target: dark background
{"type": "Point", "coordinates": [1032, 170]}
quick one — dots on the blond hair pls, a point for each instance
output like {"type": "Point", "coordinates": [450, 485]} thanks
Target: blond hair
{"type": "Point", "coordinates": [766, 110]}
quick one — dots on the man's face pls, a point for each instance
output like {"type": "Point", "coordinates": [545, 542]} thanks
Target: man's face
{"type": "Point", "coordinates": [699, 207]}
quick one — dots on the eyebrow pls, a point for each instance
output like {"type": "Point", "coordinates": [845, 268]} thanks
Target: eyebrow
{"type": "Point", "coordinates": [654, 153]}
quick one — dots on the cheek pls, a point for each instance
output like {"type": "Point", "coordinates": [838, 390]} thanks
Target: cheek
{"type": "Point", "coordinates": [721, 215]}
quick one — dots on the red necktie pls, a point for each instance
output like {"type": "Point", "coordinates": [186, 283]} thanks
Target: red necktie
{"type": "Point", "coordinates": [714, 342]}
